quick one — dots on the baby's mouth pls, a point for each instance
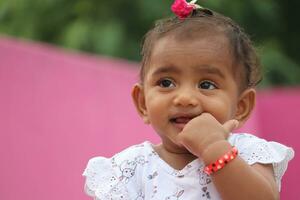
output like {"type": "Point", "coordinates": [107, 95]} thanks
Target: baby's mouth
{"type": "Point", "coordinates": [181, 121]}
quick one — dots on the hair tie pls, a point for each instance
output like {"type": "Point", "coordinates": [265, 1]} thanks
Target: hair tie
{"type": "Point", "coordinates": [182, 8]}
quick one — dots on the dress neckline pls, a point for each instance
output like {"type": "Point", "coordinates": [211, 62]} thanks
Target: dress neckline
{"type": "Point", "coordinates": [191, 166]}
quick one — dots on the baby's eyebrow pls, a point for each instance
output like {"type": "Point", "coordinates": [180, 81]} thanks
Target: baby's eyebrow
{"type": "Point", "coordinates": [210, 70]}
{"type": "Point", "coordinates": [198, 69]}
{"type": "Point", "coordinates": [166, 69]}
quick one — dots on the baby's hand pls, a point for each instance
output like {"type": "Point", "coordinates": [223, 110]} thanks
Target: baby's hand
{"type": "Point", "coordinates": [203, 131]}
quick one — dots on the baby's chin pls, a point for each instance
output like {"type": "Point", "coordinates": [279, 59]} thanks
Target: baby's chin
{"type": "Point", "coordinates": [181, 149]}
{"type": "Point", "coordinates": [185, 152]}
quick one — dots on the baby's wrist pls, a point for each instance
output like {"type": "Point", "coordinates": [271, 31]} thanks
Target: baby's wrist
{"type": "Point", "coordinates": [212, 152]}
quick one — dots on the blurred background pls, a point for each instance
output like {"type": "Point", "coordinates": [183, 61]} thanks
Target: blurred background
{"type": "Point", "coordinates": [115, 28]}
{"type": "Point", "coordinates": [66, 71]}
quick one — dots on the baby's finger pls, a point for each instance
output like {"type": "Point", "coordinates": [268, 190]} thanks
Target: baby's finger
{"type": "Point", "coordinates": [230, 125]}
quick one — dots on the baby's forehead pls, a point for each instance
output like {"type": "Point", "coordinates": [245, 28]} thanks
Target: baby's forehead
{"type": "Point", "coordinates": [194, 32]}
{"type": "Point", "coordinates": [198, 27]}
{"type": "Point", "coordinates": [218, 39]}
{"type": "Point", "coordinates": [203, 50]}
{"type": "Point", "coordinates": [216, 47]}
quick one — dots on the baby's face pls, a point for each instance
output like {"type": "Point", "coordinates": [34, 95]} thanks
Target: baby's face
{"type": "Point", "coordinates": [187, 78]}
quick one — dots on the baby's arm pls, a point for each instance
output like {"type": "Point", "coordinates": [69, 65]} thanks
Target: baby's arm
{"type": "Point", "coordinates": [237, 180]}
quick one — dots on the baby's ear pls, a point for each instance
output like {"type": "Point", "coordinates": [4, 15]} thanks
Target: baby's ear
{"type": "Point", "coordinates": [245, 105]}
{"type": "Point", "coordinates": [138, 98]}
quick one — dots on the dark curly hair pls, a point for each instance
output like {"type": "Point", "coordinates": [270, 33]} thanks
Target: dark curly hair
{"type": "Point", "coordinates": [207, 21]}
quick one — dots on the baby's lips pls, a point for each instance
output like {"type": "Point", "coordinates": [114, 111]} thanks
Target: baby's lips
{"type": "Point", "coordinates": [183, 120]}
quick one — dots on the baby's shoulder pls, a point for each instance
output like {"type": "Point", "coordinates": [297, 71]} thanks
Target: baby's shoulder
{"type": "Point", "coordinates": [108, 178]}
{"type": "Point", "coordinates": [257, 150]}
{"type": "Point", "coordinates": [247, 140]}
{"type": "Point", "coordinates": [244, 139]}
{"type": "Point", "coordinates": [129, 156]}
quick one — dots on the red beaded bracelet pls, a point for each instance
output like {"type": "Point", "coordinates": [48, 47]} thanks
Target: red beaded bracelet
{"type": "Point", "coordinates": [221, 162]}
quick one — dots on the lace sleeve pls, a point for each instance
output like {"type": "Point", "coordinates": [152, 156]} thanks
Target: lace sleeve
{"type": "Point", "coordinates": [101, 181]}
{"type": "Point", "coordinates": [256, 150]}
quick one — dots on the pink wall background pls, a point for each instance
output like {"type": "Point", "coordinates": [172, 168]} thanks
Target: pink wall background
{"type": "Point", "coordinates": [59, 108]}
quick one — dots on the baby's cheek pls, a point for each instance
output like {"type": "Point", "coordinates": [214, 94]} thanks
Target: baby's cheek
{"type": "Point", "coordinates": [221, 109]}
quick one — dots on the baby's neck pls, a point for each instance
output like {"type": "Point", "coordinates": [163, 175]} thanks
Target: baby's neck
{"type": "Point", "coordinates": [176, 160]}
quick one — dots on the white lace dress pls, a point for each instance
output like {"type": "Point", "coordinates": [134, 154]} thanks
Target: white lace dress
{"type": "Point", "coordinates": [138, 173]}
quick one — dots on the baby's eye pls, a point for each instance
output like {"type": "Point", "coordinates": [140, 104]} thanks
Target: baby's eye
{"type": "Point", "coordinates": [207, 85]}
{"type": "Point", "coordinates": [166, 83]}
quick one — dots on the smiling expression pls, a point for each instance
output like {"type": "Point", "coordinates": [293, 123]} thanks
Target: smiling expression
{"type": "Point", "coordinates": [185, 79]}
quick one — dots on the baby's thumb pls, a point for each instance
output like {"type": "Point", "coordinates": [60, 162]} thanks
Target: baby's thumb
{"type": "Point", "coordinates": [230, 125]}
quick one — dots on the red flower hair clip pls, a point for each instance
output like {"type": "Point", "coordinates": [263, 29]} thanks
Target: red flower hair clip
{"type": "Point", "coordinates": [182, 9]}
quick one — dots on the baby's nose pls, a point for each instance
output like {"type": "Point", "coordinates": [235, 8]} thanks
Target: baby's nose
{"type": "Point", "coordinates": [186, 98]}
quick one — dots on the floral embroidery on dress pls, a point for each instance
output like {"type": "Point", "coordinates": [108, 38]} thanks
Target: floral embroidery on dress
{"type": "Point", "coordinates": [153, 153]}
{"type": "Point", "coordinates": [128, 168]}
{"type": "Point", "coordinates": [259, 153]}
{"type": "Point", "coordinates": [175, 196]}
{"type": "Point", "coordinates": [152, 176]}
{"type": "Point", "coordinates": [140, 160]}
{"type": "Point", "coordinates": [205, 193]}
{"type": "Point", "coordinates": [117, 192]}
{"type": "Point", "coordinates": [154, 192]}
{"type": "Point", "coordinates": [140, 196]}
{"type": "Point", "coordinates": [177, 173]}
{"type": "Point", "coordinates": [204, 180]}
